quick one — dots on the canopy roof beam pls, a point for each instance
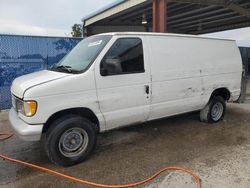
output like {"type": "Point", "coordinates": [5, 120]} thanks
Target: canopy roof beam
{"type": "Point", "coordinates": [182, 16]}
{"type": "Point", "coordinates": [160, 16]}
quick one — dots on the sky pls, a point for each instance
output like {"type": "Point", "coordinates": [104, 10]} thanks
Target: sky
{"type": "Point", "coordinates": [56, 17]}
{"type": "Point", "coordinates": [45, 17]}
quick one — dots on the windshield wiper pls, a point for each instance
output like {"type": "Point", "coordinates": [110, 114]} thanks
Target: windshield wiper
{"type": "Point", "coordinates": [65, 68]}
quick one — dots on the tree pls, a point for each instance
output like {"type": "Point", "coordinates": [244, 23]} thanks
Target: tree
{"type": "Point", "coordinates": [76, 30]}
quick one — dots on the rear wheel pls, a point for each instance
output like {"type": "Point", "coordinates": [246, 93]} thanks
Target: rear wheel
{"type": "Point", "coordinates": [214, 111]}
{"type": "Point", "coordinates": [70, 140]}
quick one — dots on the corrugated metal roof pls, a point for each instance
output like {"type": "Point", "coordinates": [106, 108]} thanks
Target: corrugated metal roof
{"type": "Point", "coordinates": [109, 6]}
{"type": "Point", "coordinates": [112, 9]}
{"type": "Point", "coordinates": [184, 16]}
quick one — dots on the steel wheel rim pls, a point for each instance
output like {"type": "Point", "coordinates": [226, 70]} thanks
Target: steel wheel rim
{"type": "Point", "coordinates": [73, 142]}
{"type": "Point", "coordinates": [217, 111]}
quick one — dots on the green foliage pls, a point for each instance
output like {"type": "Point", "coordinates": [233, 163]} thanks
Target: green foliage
{"type": "Point", "coordinates": [76, 30]}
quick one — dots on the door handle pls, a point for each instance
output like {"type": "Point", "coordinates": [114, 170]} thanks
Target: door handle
{"type": "Point", "coordinates": [146, 89]}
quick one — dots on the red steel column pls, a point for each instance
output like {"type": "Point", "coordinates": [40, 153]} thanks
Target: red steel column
{"type": "Point", "coordinates": [160, 16]}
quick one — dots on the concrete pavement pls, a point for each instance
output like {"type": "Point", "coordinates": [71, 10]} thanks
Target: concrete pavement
{"type": "Point", "coordinates": [219, 153]}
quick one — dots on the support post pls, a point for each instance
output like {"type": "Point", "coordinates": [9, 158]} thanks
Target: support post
{"type": "Point", "coordinates": [160, 16]}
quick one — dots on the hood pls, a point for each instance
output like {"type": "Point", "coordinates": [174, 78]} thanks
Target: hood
{"type": "Point", "coordinates": [23, 83]}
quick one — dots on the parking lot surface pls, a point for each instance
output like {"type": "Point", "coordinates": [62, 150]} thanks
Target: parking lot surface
{"type": "Point", "coordinates": [218, 153]}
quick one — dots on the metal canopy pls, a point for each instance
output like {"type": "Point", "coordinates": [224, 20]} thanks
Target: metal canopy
{"type": "Point", "coordinates": [185, 16]}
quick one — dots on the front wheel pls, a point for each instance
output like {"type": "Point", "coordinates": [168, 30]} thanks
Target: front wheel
{"type": "Point", "coordinates": [214, 111]}
{"type": "Point", "coordinates": [70, 140]}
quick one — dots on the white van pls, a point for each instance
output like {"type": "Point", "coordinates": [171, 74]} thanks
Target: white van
{"type": "Point", "coordinates": [118, 79]}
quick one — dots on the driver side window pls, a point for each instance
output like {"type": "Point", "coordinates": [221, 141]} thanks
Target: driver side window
{"type": "Point", "coordinates": [124, 57]}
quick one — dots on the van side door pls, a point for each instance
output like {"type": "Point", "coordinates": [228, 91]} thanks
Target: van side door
{"type": "Point", "coordinates": [123, 82]}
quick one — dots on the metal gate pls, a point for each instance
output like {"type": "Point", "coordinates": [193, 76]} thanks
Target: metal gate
{"type": "Point", "coordinates": [21, 55]}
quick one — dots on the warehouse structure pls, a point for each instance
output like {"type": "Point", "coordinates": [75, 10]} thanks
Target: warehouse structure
{"type": "Point", "coordinates": [176, 16]}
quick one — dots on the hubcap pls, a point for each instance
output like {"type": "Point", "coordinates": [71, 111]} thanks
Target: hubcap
{"type": "Point", "coordinates": [217, 111]}
{"type": "Point", "coordinates": [73, 142]}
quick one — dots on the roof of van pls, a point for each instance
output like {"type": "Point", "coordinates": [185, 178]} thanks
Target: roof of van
{"type": "Point", "coordinates": [164, 34]}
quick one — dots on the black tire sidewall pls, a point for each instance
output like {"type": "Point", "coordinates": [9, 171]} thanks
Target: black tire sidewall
{"type": "Point", "coordinates": [55, 132]}
{"type": "Point", "coordinates": [214, 100]}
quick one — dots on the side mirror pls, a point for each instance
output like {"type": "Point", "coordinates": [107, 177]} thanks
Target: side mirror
{"type": "Point", "coordinates": [104, 72]}
{"type": "Point", "coordinates": [111, 66]}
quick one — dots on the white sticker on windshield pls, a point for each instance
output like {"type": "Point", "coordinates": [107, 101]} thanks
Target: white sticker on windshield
{"type": "Point", "coordinates": [95, 43]}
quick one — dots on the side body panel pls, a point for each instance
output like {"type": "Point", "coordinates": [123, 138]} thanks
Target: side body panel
{"type": "Point", "coordinates": [176, 81]}
{"type": "Point", "coordinates": [222, 67]}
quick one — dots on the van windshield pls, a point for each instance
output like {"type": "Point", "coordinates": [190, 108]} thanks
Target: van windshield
{"type": "Point", "coordinates": [83, 55]}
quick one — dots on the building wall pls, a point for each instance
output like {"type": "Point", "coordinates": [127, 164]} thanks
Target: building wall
{"type": "Point", "coordinates": [21, 55]}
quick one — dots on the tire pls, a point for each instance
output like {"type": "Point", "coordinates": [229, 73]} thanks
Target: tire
{"type": "Point", "coordinates": [70, 140]}
{"type": "Point", "coordinates": [214, 111]}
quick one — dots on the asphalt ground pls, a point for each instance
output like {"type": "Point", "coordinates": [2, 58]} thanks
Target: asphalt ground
{"type": "Point", "coordinates": [218, 153]}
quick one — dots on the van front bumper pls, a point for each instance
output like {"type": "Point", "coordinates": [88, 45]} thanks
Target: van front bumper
{"type": "Point", "coordinates": [23, 130]}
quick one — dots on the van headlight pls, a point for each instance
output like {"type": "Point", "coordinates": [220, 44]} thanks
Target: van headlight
{"type": "Point", "coordinates": [27, 108]}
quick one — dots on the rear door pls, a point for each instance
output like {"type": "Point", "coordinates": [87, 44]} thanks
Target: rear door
{"type": "Point", "coordinates": [123, 82]}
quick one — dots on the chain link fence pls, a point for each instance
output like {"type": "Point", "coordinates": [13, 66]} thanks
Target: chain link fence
{"type": "Point", "coordinates": [20, 55]}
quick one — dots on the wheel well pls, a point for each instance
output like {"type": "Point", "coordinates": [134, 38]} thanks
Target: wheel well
{"type": "Point", "coordinates": [223, 92]}
{"type": "Point", "coordinates": [84, 112]}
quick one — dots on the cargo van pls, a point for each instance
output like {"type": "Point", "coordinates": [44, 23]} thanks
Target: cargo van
{"type": "Point", "coordinates": [117, 79]}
